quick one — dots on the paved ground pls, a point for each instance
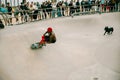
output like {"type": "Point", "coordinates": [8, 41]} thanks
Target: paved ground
{"type": "Point", "coordinates": [81, 52]}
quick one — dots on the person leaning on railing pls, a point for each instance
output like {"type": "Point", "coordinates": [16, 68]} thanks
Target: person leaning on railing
{"type": "Point", "coordinates": [36, 12]}
{"type": "Point", "coordinates": [49, 8]}
{"type": "Point", "coordinates": [43, 8]}
{"type": "Point", "coordinates": [59, 9]}
{"type": "Point", "coordinates": [54, 10]}
{"type": "Point", "coordinates": [3, 11]}
{"type": "Point", "coordinates": [117, 5]}
{"type": "Point", "coordinates": [71, 6]}
{"type": "Point", "coordinates": [21, 12]}
{"type": "Point", "coordinates": [9, 13]}
{"type": "Point", "coordinates": [77, 6]}
{"type": "Point", "coordinates": [66, 8]}
{"type": "Point", "coordinates": [16, 13]}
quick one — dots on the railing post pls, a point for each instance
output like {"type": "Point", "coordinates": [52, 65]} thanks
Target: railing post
{"type": "Point", "coordinates": [0, 3]}
{"type": "Point", "coordinates": [5, 2]}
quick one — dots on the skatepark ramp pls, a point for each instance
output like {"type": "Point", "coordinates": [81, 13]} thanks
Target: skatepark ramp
{"type": "Point", "coordinates": [81, 51]}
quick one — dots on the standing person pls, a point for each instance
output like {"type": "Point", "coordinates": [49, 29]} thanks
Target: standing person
{"type": "Point", "coordinates": [49, 8]}
{"type": "Point", "coordinates": [59, 4]}
{"type": "Point", "coordinates": [35, 11]}
{"type": "Point", "coordinates": [16, 13]}
{"type": "Point", "coordinates": [31, 8]}
{"type": "Point", "coordinates": [63, 8]}
{"type": "Point", "coordinates": [39, 10]}
{"type": "Point", "coordinates": [82, 5]}
{"type": "Point", "coordinates": [102, 5]}
{"type": "Point", "coordinates": [77, 6]}
{"type": "Point", "coordinates": [4, 10]}
{"type": "Point", "coordinates": [22, 12]}
{"type": "Point", "coordinates": [9, 12]}
{"type": "Point", "coordinates": [66, 8]}
{"type": "Point", "coordinates": [71, 6]}
{"type": "Point", "coordinates": [54, 10]}
{"type": "Point", "coordinates": [50, 36]}
{"type": "Point", "coordinates": [43, 7]}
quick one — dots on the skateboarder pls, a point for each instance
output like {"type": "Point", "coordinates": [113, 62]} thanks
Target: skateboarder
{"type": "Point", "coordinates": [50, 36]}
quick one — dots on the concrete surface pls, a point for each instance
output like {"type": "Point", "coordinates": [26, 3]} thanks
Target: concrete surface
{"type": "Point", "coordinates": [81, 52]}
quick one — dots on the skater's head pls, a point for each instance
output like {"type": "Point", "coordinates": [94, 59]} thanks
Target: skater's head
{"type": "Point", "coordinates": [49, 29]}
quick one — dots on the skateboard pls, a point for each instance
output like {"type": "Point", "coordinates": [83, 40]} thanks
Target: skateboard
{"type": "Point", "coordinates": [36, 45]}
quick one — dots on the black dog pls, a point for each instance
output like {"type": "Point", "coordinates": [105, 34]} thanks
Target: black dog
{"type": "Point", "coordinates": [108, 30]}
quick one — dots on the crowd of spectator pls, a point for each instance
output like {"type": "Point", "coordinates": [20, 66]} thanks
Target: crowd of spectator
{"type": "Point", "coordinates": [31, 11]}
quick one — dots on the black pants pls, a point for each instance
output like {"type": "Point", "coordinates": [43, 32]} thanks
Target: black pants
{"type": "Point", "coordinates": [1, 26]}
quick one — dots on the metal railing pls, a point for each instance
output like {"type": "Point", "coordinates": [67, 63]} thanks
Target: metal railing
{"type": "Point", "coordinates": [26, 16]}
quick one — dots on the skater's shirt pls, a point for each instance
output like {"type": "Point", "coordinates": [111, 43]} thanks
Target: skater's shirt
{"type": "Point", "coordinates": [50, 37]}
{"type": "Point", "coordinates": [47, 36]}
